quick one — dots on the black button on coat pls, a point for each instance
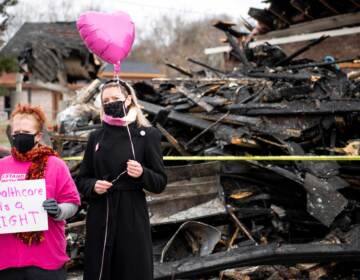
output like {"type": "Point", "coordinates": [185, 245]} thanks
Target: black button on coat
{"type": "Point", "coordinates": [125, 251]}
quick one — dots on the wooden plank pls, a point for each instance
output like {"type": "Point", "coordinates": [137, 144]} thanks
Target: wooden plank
{"type": "Point", "coordinates": [193, 191]}
{"type": "Point", "coordinates": [222, 132]}
{"type": "Point", "coordinates": [308, 31]}
{"type": "Point", "coordinates": [315, 26]}
{"type": "Point", "coordinates": [328, 6]}
{"type": "Point", "coordinates": [85, 94]}
{"type": "Point", "coordinates": [196, 98]}
{"type": "Point", "coordinates": [355, 65]}
{"type": "Point", "coordinates": [257, 255]}
{"type": "Point", "coordinates": [355, 3]}
{"type": "Point", "coordinates": [179, 69]}
{"type": "Point", "coordinates": [279, 14]}
{"type": "Point", "coordinates": [304, 108]}
{"type": "Point", "coordinates": [306, 37]}
{"type": "Point", "coordinates": [228, 27]}
{"type": "Point", "coordinates": [63, 137]}
{"type": "Point", "coordinates": [301, 7]}
{"type": "Point", "coordinates": [175, 173]}
{"type": "Point", "coordinates": [303, 49]}
{"type": "Point", "coordinates": [172, 140]}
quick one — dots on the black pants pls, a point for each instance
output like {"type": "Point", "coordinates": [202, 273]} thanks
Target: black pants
{"type": "Point", "coordinates": [32, 273]}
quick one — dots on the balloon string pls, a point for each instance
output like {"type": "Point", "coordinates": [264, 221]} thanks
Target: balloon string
{"type": "Point", "coordinates": [117, 71]}
{"type": "Point", "coordinates": [116, 77]}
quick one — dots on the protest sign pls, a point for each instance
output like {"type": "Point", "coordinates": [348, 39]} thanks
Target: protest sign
{"type": "Point", "coordinates": [21, 207]}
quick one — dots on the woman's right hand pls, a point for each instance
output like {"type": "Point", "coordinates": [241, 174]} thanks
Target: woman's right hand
{"type": "Point", "coordinates": [101, 187]}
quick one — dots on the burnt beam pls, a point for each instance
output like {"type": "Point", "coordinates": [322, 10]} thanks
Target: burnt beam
{"type": "Point", "coordinates": [273, 254]}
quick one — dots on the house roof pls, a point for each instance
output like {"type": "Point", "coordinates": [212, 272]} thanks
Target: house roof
{"type": "Point", "coordinates": [42, 47]}
{"type": "Point", "coordinates": [58, 35]}
{"type": "Point", "coordinates": [133, 67]}
{"type": "Point", "coordinates": [132, 70]}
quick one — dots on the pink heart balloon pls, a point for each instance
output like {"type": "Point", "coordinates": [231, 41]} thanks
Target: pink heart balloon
{"type": "Point", "coordinates": [109, 36]}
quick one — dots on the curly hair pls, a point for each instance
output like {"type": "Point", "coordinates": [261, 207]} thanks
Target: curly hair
{"type": "Point", "coordinates": [34, 111]}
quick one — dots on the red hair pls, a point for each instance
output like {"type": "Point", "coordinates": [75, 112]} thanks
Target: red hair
{"type": "Point", "coordinates": [34, 111]}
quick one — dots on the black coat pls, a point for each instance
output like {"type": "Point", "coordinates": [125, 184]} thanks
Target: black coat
{"type": "Point", "coordinates": [128, 246]}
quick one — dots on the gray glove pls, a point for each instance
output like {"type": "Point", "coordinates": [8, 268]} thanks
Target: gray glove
{"type": "Point", "coordinates": [52, 207]}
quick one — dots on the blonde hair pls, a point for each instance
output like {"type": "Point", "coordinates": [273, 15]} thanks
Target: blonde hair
{"type": "Point", "coordinates": [141, 120]}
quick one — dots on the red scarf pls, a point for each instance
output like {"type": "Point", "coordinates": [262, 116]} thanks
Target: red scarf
{"type": "Point", "coordinates": [38, 157]}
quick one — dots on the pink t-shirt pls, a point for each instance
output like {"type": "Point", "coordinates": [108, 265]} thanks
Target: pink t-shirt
{"type": "Point", "coordinates": [51, 253]}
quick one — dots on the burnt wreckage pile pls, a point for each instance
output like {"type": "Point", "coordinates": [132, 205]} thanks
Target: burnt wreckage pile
{"type": "Point", "coordinates": [280, 15]}
{"type": "Point", "coordinates": [247, 219]}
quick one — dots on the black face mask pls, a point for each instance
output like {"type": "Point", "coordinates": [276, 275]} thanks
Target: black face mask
{"type": "Point", "coordinates": [23, 142]}
{"type": "Point", "coordinates": [115, 109]}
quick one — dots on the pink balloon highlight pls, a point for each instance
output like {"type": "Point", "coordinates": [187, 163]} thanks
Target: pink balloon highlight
{"type": "Point", "coordinates": [110, 36]}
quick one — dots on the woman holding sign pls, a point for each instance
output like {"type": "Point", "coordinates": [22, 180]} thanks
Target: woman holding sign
{"type": "Point", "coordinates": [122, 159]}
{"type": "Point", "coordinates": [34, 255]}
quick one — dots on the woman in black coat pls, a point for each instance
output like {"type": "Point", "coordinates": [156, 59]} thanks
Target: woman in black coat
{"type": "Point", "coordinates": [122, 158]}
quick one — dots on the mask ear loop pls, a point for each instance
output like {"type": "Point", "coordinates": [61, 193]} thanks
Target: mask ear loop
{"type": "Point", "coordinates": [36, 143]}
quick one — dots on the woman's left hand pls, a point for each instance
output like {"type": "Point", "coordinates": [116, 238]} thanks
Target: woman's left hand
{"type": "Point", "coordinates": [134, 168]}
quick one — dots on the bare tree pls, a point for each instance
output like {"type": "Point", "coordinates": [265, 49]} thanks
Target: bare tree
{"type": "Point", "coordinates": [174, 39]}
{"type": "Point", "coordinates": [59, 10]}
{"type": "Point", "coordinates": [4, 14]}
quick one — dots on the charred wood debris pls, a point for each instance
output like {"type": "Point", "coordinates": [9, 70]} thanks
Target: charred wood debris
{"type": "Point", "coordinates": [245, 219]}
{"type": "Point", "coordinates": [281, 15]}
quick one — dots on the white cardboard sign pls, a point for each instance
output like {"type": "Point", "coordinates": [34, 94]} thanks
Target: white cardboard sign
{"type": "Point", "coordinates": [21, 207]}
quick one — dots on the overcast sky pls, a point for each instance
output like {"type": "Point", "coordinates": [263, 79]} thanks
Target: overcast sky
{"type": "Point", "coordinates": [142, 12]}
{"type": "Point", "coordinates": [141, 9]}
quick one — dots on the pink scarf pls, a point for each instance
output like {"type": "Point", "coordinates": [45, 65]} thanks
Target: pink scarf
{"type": "Point", "coordinates": [113, 121]}
{"type": "Point", "coordinates": [129, 118]}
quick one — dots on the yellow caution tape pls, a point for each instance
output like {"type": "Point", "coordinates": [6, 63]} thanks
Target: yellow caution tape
{"type": "Point", "coordinates": [244, 158]}
{"type": "Point", "coordinates": [78, 158]}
